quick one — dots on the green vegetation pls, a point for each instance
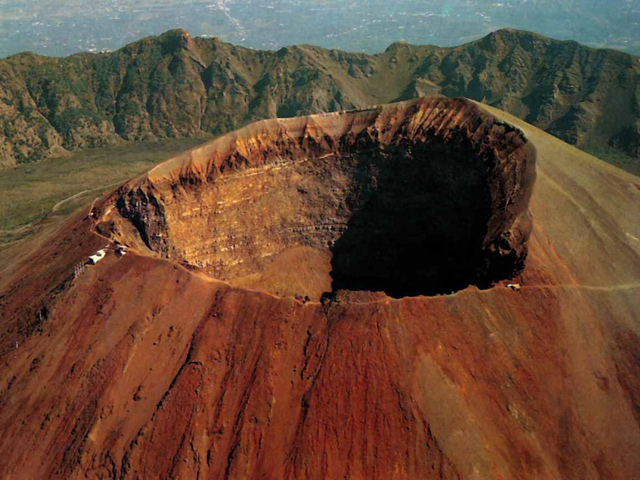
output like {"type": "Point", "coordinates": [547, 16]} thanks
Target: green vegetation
{"type": "Point", "coordinates": [73, 118]}
{"type": "Point", "coordinates": [177, 86]}
{"type": "Point", "coordinates": [32, 192]}
{"type": "Point", "coordinates": [616, 158]}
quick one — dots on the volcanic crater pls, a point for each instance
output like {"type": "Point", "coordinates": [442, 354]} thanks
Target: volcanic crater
{"type": "Point", "coordinates": [422, 197]}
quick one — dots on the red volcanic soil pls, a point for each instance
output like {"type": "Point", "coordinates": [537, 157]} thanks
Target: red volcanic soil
{"type": "Point", "coordinates": [191, 356]}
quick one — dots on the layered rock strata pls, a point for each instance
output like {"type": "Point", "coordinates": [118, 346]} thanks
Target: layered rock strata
{"type": "Point", "coordinates": [420, 197]}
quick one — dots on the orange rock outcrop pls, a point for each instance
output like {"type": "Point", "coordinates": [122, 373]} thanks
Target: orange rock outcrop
{"type": "Point", "coordinates": [419, 197]}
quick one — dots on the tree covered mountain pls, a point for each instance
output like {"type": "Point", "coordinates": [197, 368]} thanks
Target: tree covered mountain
{"type": "Point", "coordinates": [175, 85]}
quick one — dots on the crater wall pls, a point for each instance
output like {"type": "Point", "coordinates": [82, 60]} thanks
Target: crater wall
{"type": "Point", "coordinates": [415, 198]}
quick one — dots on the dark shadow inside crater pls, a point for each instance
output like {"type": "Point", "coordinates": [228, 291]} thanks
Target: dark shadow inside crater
{"type": "Point", "coordinates": [411, 205]}
{"type": "Point", "coordinates": [420, 215]}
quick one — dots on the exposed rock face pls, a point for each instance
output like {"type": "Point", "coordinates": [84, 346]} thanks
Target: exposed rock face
{"type": "Point", "coordinates": [138, 368]}
{"type": "Point", "coordinates": [421, 197]}
{"type": "Point", "coordinates": [174, 85]}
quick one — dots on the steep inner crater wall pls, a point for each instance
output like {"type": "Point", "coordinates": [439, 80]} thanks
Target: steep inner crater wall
{"type": "Point", "coordinates": [418, 198]}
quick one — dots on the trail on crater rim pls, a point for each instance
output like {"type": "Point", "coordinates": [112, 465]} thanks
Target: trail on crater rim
{"type": "Point", "coordinates": [152, 366]}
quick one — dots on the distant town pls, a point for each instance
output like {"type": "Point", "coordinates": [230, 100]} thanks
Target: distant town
{"type": "Point", "coordinates": [67, 27]}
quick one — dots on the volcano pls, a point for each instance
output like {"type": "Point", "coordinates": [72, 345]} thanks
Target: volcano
{"type": "Point", "coordinates": [425, 290]}
{"type": "Point", "coordinates": [416, 198]}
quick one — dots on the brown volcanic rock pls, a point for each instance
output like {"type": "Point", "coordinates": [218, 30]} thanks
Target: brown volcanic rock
{"type": "Point", "coordinates": [140, 368]}
{"type": "Point", "coordinates": [418, 197]}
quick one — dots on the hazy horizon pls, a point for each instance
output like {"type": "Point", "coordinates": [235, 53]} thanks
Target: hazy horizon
{"type": "Point", "coordinates": [60, 28]}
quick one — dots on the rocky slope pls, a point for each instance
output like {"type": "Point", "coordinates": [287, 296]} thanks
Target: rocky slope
{"type": "Point", "coordinates": [140, 367]}
{"type": "Point", "coordinates": [175, 85]}
{"type": "Point", "coordinates": [422, 197]}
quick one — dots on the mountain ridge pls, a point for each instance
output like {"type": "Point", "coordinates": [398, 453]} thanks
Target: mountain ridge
{"type": "Point", "coordinates": [175, 85]}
